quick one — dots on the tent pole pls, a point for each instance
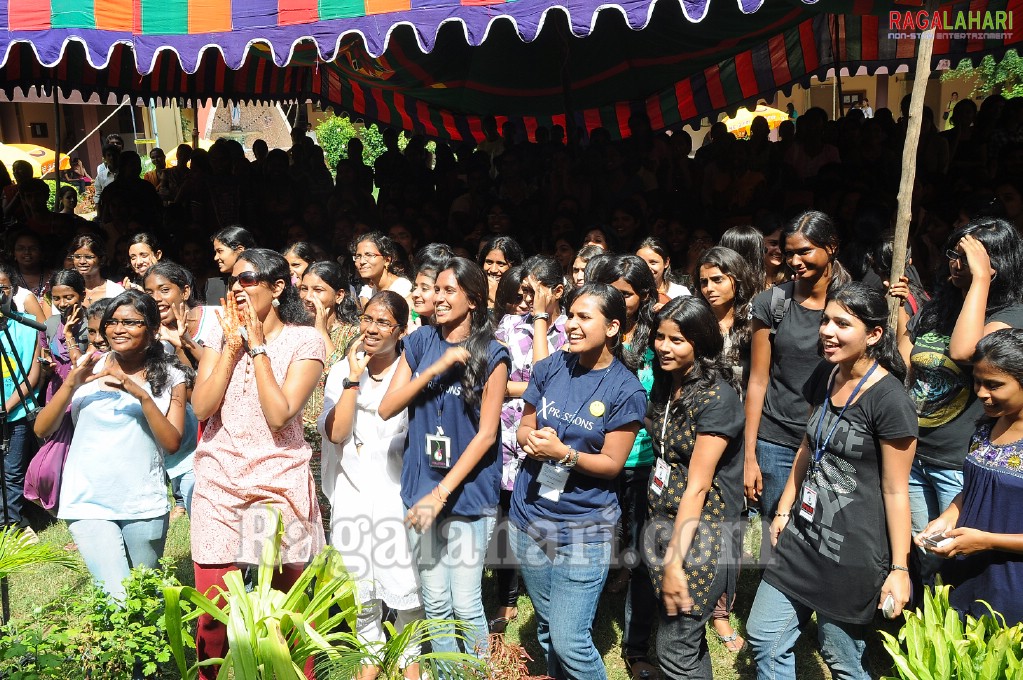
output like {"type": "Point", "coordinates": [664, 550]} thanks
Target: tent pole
{"type": "Point", "coordinates": [837, 48]}
{"type": "Point", "coordinates": [56, 132]}
{"type": "Point", "coordinates": [924, 47]}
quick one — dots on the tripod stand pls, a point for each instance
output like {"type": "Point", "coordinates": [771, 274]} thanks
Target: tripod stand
{"type": "Point", "coordinates": [27, 397]}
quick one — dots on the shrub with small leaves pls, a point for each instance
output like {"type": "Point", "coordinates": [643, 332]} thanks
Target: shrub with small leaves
{"type": "Point", "coordinates": [84, 635]}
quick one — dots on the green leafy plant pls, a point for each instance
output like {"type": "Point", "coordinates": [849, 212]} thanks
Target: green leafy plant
{"type": "Point", "coordinates": [353, 654]}
{"type": "Point", "coordinates": [934, 644]}
{"type": "Point", "coordinates": [85, 635]}
{"type": "Point", "coordinates": [1003, 77]}
{"type": "Point", "coordinates": [334, 132]}
{"type": "Point", "coordinates": [19, 552]}
{"type": "Point", "coordinates": [271, 634]}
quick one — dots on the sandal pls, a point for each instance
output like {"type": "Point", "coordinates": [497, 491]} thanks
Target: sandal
{"type": "Point", "coordinates": [640, 668]}
{"type": "Point", "coordinates": [499, 624]}
{"type": "Point", "coordinates": [733, 642]}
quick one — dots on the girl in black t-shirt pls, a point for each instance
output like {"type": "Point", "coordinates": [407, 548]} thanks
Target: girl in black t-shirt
{"type": "Point", "coordinates": [842, 526]}
{"type": "Point", "coordinates": [695, 494]}
{"type": "Point", "coordinates": [785, 322]}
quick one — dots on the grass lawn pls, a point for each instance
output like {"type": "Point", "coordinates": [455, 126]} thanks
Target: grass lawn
{"type": "Point", "coordinates": [34, 589]}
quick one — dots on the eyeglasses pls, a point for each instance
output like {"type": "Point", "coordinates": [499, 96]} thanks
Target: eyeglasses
{"type": "Point", "coordinates": [954, 256]}
{"type": "Point", "coordinates": [385, 326]}
{"type": "Point", "coordinates": [83, 258]}
{"type": "Point", "coordinates": [127, 323]}
{"type": "Point", "coordinates": [368, 257]}
{"type": "Point", "coordinates": [246, 279]}
{"type": "Point", "coordinates": [6, 289]}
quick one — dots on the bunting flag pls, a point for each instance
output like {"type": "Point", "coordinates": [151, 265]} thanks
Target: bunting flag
{"type": "Point", "coordinates": [673, 70]}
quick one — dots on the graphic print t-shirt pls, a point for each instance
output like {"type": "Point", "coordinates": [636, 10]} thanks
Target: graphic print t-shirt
{"type": "Point", "coordinates": [582, 406]}
{"type": "Point", "coordinates": [942, 391]}
{"type": "Point", "coordinates": [844, 548]}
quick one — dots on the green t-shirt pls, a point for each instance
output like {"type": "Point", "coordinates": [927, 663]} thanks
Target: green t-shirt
{"type": "Point", "coordinates": [642, 452]}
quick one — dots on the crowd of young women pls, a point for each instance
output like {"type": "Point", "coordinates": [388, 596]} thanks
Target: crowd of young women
{"type": "Point", "coordinates": [586, 409]}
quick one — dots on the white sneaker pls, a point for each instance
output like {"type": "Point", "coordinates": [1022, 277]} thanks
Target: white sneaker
{"type": "Point", "coordinates": [29, 536]}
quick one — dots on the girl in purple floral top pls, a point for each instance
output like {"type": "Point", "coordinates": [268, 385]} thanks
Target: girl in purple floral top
{"type": "Point", "coordinates": [541, 292]}
{"type": "Point", "coordinates": [979, 534]}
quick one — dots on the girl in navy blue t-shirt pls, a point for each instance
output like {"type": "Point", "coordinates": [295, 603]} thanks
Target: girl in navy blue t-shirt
{"type": "Point", "coordinates": [583, 410]}
{"type": "Point", "coordinates": [452, 463]}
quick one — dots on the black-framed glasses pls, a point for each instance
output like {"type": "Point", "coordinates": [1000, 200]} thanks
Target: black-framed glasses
{"type": "Point", "coordinates": [954, 256]}
{"type": "Point", "coordinates": [246, 279]}
{"type": "Point", "coordinates": [127, 323]}
{"type": "Point", "coordinates": [385, 326]}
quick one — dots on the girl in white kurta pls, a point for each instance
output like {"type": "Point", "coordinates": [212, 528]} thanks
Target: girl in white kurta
{"type": "Point", "coordinates": [362, 456]}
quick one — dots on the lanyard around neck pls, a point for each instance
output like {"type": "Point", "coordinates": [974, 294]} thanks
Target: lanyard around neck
{"type": "Point", "coordinates": [822, 446]}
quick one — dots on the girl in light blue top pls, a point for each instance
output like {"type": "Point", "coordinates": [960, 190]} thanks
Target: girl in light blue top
{"type": "Point", "coordinates": [128, 406]}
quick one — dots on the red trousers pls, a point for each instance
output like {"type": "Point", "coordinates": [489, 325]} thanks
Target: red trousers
{"type": "Point", "coordinates": [211, 636]}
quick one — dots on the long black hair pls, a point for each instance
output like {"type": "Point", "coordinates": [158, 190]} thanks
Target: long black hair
{"type": "Point", "coordinates": [473, 283]}
{"type": "Point", "coordinates": [612, 306]}
{"type": "Point", "coordinates": [235, 237]}
{"type": "Point", "coordinates": [506, 245]}
{"type": "Point", "coordinates": [334, 276]}
{"type": "Point", "coordinates": [870, 306]}
{"type": "Point", "coordinates": [1001, 241]}
{"type": "Point", "coordinates": [748, 242]}
{"type": "Point", "coordinates": [1003, 349]}
{"type": "Point", "coordinates": [636, 273]}
{"type": "Point", "coordinates": [820, 230]}
{"type": "Point", "coordinates": [745, 284]}
{"type": "Point", "coordinates": [271, 267]}
{"type": "Point", "coordinates": [697, 324]}
{"type": "Point", "coordinates": [176, 274]}
{"type": "Point", "coordinates": [157, 359]}
{"type": "Point", "coordinates": [71, 278]}
{"type": "Point", "coordinates": [387, 247]}
{"type": "Point", "coordinates": [548, 272]}
{"type": "Point", "coordinates": [396, 305]}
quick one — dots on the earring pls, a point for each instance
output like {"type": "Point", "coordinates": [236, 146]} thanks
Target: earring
{"type": "Point", "coordinates": [276, 303]}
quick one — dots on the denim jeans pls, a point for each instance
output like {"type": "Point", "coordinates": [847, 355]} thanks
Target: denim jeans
{"type": "Point", "coordinates": [449, 556]}
{"type": "Point", "coordinates": [112, 548]}
{"type": "Point", "coordinates": [682, 647]}
{"type": "Point", "coordinates": [931, 490]}
{"type": "Point", "coordinates": [15, 465]}
{"type": "Point", "coordinates": [565, 583]}
{"type": "Point", "coordinates": [775, 463]}
{"type": "Point", "coordinates": [640, 601]}
{"type": "Point", "coordinates": [182, 487]}
{"type": "Point", "coordinates": [774, 625]}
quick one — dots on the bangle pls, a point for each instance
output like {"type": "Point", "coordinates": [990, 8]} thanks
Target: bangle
{"type": "Point", "coordinates": [542, 316]}
{"type": "Point", "coordinates": [568, 457]}
{"type": "Point", "coordinates": [899, 567]}
{"type": "Point", "coordinates": [575, 459]}
{"type": "Point", "coordinates": [436, 494]}
{"type": "Point", "coordinates": [782, 514]}
{"type": "Point", "coordinates": [444, 489]}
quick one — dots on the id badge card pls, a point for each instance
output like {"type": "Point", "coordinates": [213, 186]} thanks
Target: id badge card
{"type": "Point", "coordinates": [553, 479]}
{"type": "Point", "coordinates": [661, 473]}
{"type": "Point", "coordinates": [438, 450]}
{"type": "Point", "coordinates": [808, 503]}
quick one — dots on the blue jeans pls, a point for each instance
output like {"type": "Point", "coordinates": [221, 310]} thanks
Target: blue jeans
{"type": "Point", "coordinates": [112, 548]}
{"type": "Point", "coordinates": [183, 486]}
{"type": "Point", "coordinates": [774, 625]}
{"type": "Point", "coordinates": [449, 556]}
{"type": "Point", "coordinates": [565, 583]}
{"type": "Point", "coordinates": [15, 466]}
{"type": "Point", "coordinates": [931, 491]}
{"type": "Point", "coordinates": [775, 463]}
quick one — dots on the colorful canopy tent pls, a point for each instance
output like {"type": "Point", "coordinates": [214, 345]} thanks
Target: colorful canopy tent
{"type": "Point", "coordinates": [365, 56]}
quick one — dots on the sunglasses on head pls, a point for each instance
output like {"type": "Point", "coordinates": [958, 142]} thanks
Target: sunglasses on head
{"type": "Point", "coordinates": [246, 279]}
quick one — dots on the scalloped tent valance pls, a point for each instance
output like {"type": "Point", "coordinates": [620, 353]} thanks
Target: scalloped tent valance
{"type": "Point", "coordinates": [671, 69]}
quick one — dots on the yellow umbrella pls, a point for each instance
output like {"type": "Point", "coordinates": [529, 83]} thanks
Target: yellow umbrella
{"type": "Point", "coordinates": [42, 158]}
{"type": "Point", "coordinates": [172, 154]}
{"type": "Point", "coordinates": [740, 123]}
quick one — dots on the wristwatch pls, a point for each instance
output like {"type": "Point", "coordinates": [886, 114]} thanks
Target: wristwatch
{"type": "Point", "coordinates": [542, 315]}
{"type": "Point", "coordinates": [347, 384]}
{"type": "Point", "coordinates": [256, 350]}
